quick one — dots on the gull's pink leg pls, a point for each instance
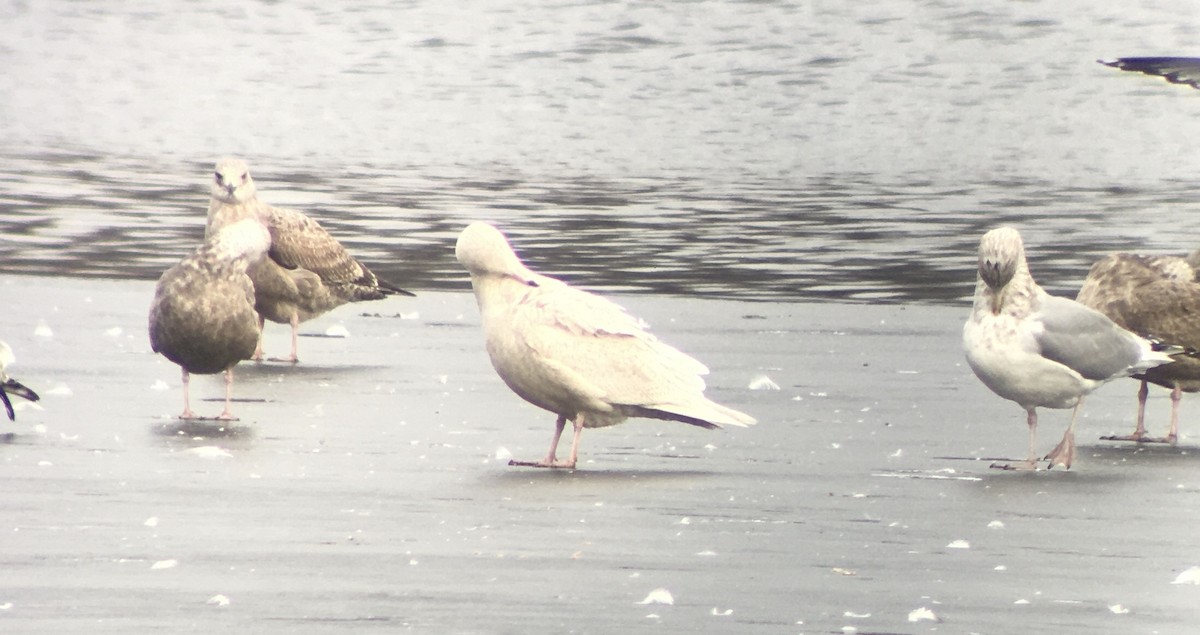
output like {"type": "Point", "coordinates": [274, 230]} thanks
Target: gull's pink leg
{"type": "Point", "coordinates": [578, 423]}
{"type": "Point", "coordinates": [1064, 453]}
{"type": "Point", "coordinates": [295, 338]}
{"type": "Point", "coordinates": [1139, 433]}
{"type": "Point", "coordinates": [1176, 397]}
{"type": "Point", "coordinates": [551, 459]}
{"type": "Point", "coordinates": [187, 403]}
{"type": "Point", "coordinates": [227, 414]}
{"type": "Point", "coordinates": [258, 348]}
{"type": "Point", "coordinates": [1029, 463]}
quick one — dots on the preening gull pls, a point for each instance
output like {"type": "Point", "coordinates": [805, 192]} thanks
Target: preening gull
{"type": "Point", "coordinates": [308, 271]}
{"type": "Point", "coordinates": [1157, 297]}
{"type": "Point", "coordinates": [202, 316]}
{"type": "Point", "coordinates": [576, 354]}
{"type": "Point", "coordinates": [10, 386]}
{"type": "Point", "coordinates": [1040, 350]}
{"type": "Point", "coordinates": [1177, 70]}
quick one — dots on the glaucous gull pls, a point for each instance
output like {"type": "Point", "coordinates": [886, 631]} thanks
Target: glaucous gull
{"type": "Point", "coordinates": [202, 316]}
{"type": "Point", "coordinates": [308, 272]}
{"type": "Point", "coordinates": [576, 354]}
{"type": "Point", "coordinates": [1040, 350]}
{"type": "Point", "coordinates": [10, 386]}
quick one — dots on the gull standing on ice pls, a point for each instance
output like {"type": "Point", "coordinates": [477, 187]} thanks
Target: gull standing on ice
{"type": "Point", "coordinates": [10, 386]}
{"type": "Point", "coordinates": [1156, 297]}
{"type": "Point", "coordinates": [202, 316]}
{"type": "Point", "coordinates": [1040, 350]}
{"type": "Point", "coordinates": [308, 272]}
{"type": "Point", "coordinates": [576, 354]}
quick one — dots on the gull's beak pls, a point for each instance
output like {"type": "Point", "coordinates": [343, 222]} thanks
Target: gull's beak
{"type": "Point", "coordinates": [997, 301]}
{"type": "Point", "coordinates": [525, 280]}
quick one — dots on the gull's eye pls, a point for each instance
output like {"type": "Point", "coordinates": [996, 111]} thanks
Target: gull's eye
{"type": "Point", "coordinates": [245, 175]}
{"type": "Point", "coordinates": [217, 175]}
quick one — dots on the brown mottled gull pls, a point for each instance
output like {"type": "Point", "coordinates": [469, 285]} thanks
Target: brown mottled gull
{"type": "Point", "coordinates": [1040, 350]}
{"type": "Point", "coordinates": [202, 316]}
{"type": "Point", "coordinates": [10, 386]}
{"type": "Point", "coordinates": [1177, 70]}
{"type": "Point", "coordinates": [576, 354]}
{"type": "Point", "coordinates": [308, 272]}
{"type": "Point", "coordinates": [1157, 297]}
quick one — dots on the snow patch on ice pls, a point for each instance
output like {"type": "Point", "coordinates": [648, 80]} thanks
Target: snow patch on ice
{"type": "Point", "coordinates": [1190, 576]}
{"type": "Point", "coordinates": [60, 390]}
{"type": "Point", "coordinates": [762, 382]}
{"type": "Point", "coordinates": [210, 452]}
{"type": "Point", "coordinates": [658, 596]}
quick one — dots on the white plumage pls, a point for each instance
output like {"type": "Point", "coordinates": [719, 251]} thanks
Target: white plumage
{"type": "Point", "coordinates": [576, 354]}
{"type": "Point", "coordinates": [1040, 350]}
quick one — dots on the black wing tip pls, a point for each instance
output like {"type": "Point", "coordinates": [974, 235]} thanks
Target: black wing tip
{"type": "Point", "coordinates": [397, 291]}
{"type": "Point", "coordinates": [391, 289]}
{"type": "Point", "coordinates": [1176, 70]}
{"type": "Point", "coordinates": [21, 390]}
{"type": "Point", "coordinates": [15, 387]}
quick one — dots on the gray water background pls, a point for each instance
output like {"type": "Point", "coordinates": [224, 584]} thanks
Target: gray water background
{"type": "Point", "coordinates": [753, 150]}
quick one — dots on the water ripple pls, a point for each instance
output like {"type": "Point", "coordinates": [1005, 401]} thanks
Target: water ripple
{"type": "Point", "coordinates": [823, 238]}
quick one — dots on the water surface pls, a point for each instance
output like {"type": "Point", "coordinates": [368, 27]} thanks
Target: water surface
{"type": "Point", "coordinates": [756, 150]}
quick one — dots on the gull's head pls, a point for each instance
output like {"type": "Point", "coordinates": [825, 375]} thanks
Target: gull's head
{"type": "Point", "coordinates": [1001, 254]}
{"type": "Point", "coordinates": [483, 251]}
{"type": "Point", "coordinates": [231, 181]}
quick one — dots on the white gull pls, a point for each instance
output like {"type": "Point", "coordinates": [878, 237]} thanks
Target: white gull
{"type": "Point", "coordinates": [1040, 350]}
{"type": "Point", "coordinates": [576, 354]}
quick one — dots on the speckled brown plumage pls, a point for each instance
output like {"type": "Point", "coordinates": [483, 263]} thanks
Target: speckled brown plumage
{"type": "Point", "coordinates": [1157, 297]}
{"type": "Point", "coordinates": [202, 316]}
{"type": "Point", "coordinates": [308, 272]}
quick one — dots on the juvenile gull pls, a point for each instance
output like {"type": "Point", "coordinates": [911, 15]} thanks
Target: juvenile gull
{"type": "Point", "coordinates": [576, 354]}
{"type": "Point", "coordinates": [308, 272]}
{"type": "Point", "coordinates": [10, 386]}
{"type": "Point", "coordinates": [1177, 70]}
{"type": "Point", "coordinates": [1040, 350]}
{"type": "Point", "coordinates": [202, 316]}
{"type": "Point", "coordinates": [1157, 297]}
